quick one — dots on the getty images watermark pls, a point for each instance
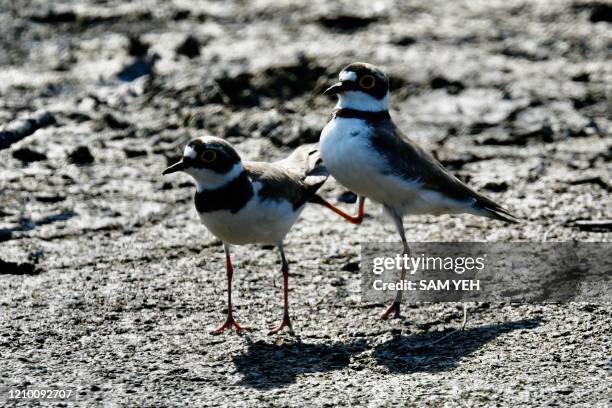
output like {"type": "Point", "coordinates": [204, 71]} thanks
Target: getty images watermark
{"type": "Point", "coordinates": [422, 264]}
{"type": "Point", "coordinates": [505, 272]}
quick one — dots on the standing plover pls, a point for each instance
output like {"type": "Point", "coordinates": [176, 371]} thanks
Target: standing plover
{"type": "Point", "coordinates": [364, 150]}
{"type": "Point", "coordinates": [245, 202]}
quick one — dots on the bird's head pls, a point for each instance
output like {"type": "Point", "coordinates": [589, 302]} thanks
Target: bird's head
{"type": "Point", "coordinates": [363, 87]}
{"type": "Point", "coordinates": [211, 161]}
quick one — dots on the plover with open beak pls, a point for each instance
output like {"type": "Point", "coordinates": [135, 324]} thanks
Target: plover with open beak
{"type": "Point", "coordinates": [364, 151]}
{"type": "Point", "coordinates": [246, 202]}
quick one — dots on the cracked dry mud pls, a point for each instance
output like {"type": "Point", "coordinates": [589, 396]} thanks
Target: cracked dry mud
{"type": "Point", "coordinates": [108, 282]}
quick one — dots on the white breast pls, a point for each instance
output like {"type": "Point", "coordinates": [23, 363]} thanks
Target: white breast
{"type": "Point", "coordinates": [265, 222]}
{"type": "Point", "coordinates": [348, 154]}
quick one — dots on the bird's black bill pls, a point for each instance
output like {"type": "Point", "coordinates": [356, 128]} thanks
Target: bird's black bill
{"type": "Point", "coordinates": [334, 89]}
{"type": "Point", "coordinates": [175, 167]}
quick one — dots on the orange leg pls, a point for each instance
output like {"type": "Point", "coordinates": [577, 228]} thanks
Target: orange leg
{"type": "Point", "coordinates": [229, 321]}
{"type": "Point", "coordinates": [394, 308]}
{"type": "Point", "coordinates": [350, 218]}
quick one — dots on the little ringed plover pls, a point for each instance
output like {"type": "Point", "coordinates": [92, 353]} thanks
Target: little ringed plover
{"type": "Point", "coordinates": [246, 202]}
{"type": "Point", "coordinates": [365, 152]}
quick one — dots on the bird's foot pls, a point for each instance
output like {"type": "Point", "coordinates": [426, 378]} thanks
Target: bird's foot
{"type": "Point", "coordinates": [228, 325]}
{"type": "Point", "coordinates": [394, 308]}
{"type": "Point", "coordinates": [285, 323]}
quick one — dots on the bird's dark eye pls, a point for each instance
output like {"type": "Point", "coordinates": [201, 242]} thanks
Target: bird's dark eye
{"type": "Point", "coordinates": [208, 156]}
{"type": "Point", "coordinates": [367, 82]}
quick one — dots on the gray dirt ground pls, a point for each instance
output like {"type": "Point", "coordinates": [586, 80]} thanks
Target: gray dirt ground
{"type": "Point", "coordinates": [120, 283]}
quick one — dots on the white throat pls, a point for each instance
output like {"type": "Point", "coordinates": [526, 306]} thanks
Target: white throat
{"type": "Point", "coordinates": [362, 101]}
{"type": "Point", "coordinates": [211, 180]}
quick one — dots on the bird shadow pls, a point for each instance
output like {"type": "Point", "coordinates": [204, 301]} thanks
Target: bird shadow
{"type": "Point", "coordinates": [266, 366]}
{"type": "Point", "coordinates": [415, 353]}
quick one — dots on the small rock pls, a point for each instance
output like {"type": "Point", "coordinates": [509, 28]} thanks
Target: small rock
{"type": "Point", "coordinates": [347, 197]}
{"type": "Point", "coordinates": [589, 307]}
{"type": "Point", "coordinates": [351, 267]}
{"type": "Point", "coordinates": [496, 187]}
{"type": "Point", "coordinates": [52, 17]}
{"type": "Point", "coordinates": [181, 14]}
{"type": "Point", "coordinates": [346, 23]}
{"type": "Point", "coordinates": [78, 117]}
{"type": "Point", "coordinates": [601, 12]}
{"type": "Point", "coordinates": [521, 53]}
{"type": "Point", "coordinates": [14, 268]}
{"type": "Point", "coordinates": [478, 127]}
{"type": "Point", "coordinates": [592, 180]}
{"type": "Point", "coordinates": [190, 47]}
{"type": "Point", "coordinates": [593, 225]}
{"type": "Point", "coordinates": [405, 41]}
{"type": "Point", "coordinates": [81, 155]}
{"type": "Point", "coordinates": [584, 101]}
{"type": "Point", "coordinates": [178, 371]}
{"type": "Point", "coordinates": [452, 87]}
{"type": "Point", "coordinates": [583, 77]}
{"type": "Point", "coordinates": [28, 155]}
{"type": "Point", "coordinates": [137, 48]}
{"type": "Point", "coordinates": [112, 122]}
{"type": "Point", "coordinates": [566, 391]}
{"type": "Point", "coordinates": [46, 198]}
{"type": "Point", "coordinates": [131, 152]}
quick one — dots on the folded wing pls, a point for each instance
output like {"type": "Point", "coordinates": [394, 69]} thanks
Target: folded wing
{"type": "Point", "coordinates": [412, 163]}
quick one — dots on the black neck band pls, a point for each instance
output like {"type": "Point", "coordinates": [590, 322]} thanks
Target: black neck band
{"type": "Point", "coordinates": [354, 113]}
{"type": "Point", "coordinates": [232, 196]}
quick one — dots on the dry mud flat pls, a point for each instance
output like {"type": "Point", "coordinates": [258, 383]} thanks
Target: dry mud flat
{"type": "Point", "coordinates": [109, 284]}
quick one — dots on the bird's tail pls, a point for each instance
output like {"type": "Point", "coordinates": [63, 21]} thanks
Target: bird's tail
{"type": "Point", "coordinates": [491, 209]}
{"type": "Point", "coordinates": [306, 161]}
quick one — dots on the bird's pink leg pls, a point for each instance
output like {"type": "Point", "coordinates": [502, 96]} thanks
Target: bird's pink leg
{"type": "Point", "coordinates": [350, 218]}
{"type": "Point", "coordinates": [286, 321]}
{"type": "Point", "coordinates": [229, 321]}
{"type": "Point", "coordinates": [394, 308]}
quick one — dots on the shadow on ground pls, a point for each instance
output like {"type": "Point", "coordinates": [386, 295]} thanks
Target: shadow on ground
{"type": "Point", "coordinates": [410, 354]}
{"type": "Point", "coordinates": [266, 366]}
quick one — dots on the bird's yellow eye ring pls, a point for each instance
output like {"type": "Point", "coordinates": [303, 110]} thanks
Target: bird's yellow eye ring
{"type": "Point", "coordinates": [367, 82]}
{"type": "Point", "coordinates": [208, 156]}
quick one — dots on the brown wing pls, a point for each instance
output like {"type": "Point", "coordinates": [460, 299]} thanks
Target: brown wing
{"type": "Point", "coordinates": [295, 179]}
{"type": "Point", "coordinates": [411, 162]}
